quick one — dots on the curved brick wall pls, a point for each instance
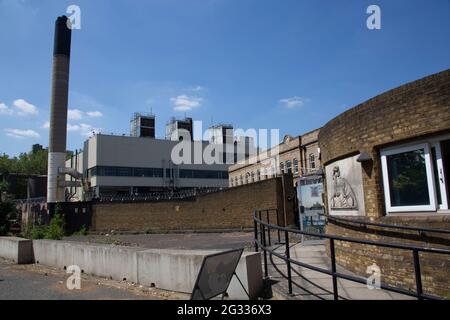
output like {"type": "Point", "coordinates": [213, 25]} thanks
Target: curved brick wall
{"type": "Point", "coordinates": [417, 109]}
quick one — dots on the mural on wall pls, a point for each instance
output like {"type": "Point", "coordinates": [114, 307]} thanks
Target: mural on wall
{"type": "Point", "coordinates": [343, 196]}
{"type": "Point", "coordinates": [345, 187]}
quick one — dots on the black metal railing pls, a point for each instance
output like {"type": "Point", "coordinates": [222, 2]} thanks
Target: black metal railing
{"type": "Point", "coordinates": [172, 195]}
{"type": "Point", "coordinates": [420, 230]}
{"type": "Point", "coordinates": [263, 241]}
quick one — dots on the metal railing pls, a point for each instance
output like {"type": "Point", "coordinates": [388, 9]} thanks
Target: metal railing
{"type": "Point", "coordinates": [156, 196]}
{"type": "Point", "coordinates": [263, 241]}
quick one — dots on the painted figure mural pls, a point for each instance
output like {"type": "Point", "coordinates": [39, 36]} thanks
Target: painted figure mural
{"type": "Point", "coordinates": [343, 196]}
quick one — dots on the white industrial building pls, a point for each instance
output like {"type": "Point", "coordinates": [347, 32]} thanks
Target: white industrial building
{"type": "Point", "coordinates": [115, 165]}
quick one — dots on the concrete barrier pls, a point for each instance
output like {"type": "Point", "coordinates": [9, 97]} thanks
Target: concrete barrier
{"type": "Point", "coordinates": [106, 261]}
{"type": "Point", "coordinates": [16, 249]}
{"type": "Point", "coordinates": [174, 270]}
{"type": "Point", "coordinates": [177, 270]}
{"type": "Point", "coordinates": [249, 271]}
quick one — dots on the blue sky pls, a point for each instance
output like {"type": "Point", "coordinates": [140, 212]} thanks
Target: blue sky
{"type": "Point", "coordinates": [286, 64]}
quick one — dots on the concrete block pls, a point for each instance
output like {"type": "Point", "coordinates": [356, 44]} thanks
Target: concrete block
{"type": "Point", "coordinates": [249, 271]}
{"type": "Point", "coordinates": [177, 270]}
{"type": "Point", "coordinates": [101, 260]}
{"type": "Point", "coordinates": [16, 249]}
{"type": "Point", "coordinates": [116, 262]}
{"type": "Point", "coordinates": [174, 270]}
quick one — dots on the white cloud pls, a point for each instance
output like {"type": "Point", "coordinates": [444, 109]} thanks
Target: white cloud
{"type": "Point", "coordinates": [18, 133]}
{"type": "Point", "coordinates": [88, 130]}
{"type": "Point", "coordinates": [5, 110]}
{"type": "Point", "coordinates": [186, 103]}
{"type": "Point", "coordinates": [25, 108]}
{"type": "Point", "coordinates": [198, 88]}
{"type": "Point", "coordinates": [75, 114]}
{"type": "Point", "coordinates": [94, 114]}
{"type": "Point", "coordinates": [72, 127]}
{"type": "Point", "coordinates": [84, 129]}
{"type": "Point", "coordinates": [294, 102]}
{"type": "Point", "coordinates": [84, 101]}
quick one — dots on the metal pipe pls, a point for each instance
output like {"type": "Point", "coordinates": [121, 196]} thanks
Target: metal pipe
{"type": "Point", "coordinates": [333, 270]}
{"type": "Point", "coordinates": [418, 274]}
{"type": "Point", "coordinates": [288, 261]}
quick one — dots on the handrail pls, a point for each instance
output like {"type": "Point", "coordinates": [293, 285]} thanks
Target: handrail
{"type": "Point", "coordinates": [355, 240]}
{"type": "Point", "coordinates": [388, 226]}
{"type": "Point", "coordinates": [260, 227]}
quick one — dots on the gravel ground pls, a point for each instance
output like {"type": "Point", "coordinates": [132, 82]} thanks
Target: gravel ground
{"type": "Point", "coordinates": [37, 282]}
{"type": "Point", "coordinates": [220, 241]}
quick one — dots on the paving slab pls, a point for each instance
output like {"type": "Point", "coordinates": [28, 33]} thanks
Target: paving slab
{"type": "Point", "coordinates": [316, 285]}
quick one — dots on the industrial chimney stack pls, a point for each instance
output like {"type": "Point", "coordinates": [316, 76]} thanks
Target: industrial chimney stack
{"type": "Point", "coordinates": [58, 115]}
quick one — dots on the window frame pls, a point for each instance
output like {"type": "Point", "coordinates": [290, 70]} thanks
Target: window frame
{"type": "Point", "coordinates": [429, 172]}
{"type": "Point", "coordinates": [440, 169]}
{"type": "Point", "coordinates": [295, 162]}
{"type": "Point", "coordinates": [312, 161]}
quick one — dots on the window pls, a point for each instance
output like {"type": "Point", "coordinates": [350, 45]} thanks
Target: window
{"type": "Point", "coordinates": [288, 166]}
{"type": "Point", "coordinates": [282, 167]}
{"type": "Point", "coordinates": [414, 177]}
{"type": "Point", "coordinates": [312, 161]}
{"type": "Point", "coordinates": [295, 166]}
{"type": "Point", "coordinates": [106, 171]}
{"type": "Point", "coordinates": [258, 175]}
{"type": "Point", "coordinates": [241, 180]}
{"type": "Point", "coordinates": [253, 176]}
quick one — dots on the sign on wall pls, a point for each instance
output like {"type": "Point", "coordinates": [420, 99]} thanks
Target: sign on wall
{"type": "Point", "coordinates": [309, 194]}
{"type": "Point", "coordinates": [345, 191]}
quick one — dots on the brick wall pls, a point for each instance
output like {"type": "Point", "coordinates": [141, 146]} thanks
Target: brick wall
{"type": "Point", "coordinates": [396, 265]}
{"type": "Point", "coordinates": [228, 209]}
{"type": "Point", "coordinates": [412, 111]}
{"type": "Point", "coordinates": [416, 109]}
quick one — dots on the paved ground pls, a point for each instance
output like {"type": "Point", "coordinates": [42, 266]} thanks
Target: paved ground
{"type": "Point", "coordinates": [316, 285]}
{"type": "Point", "coordinates": [226, 240]}
{"type": "Point", "coordinates": [35, 282]}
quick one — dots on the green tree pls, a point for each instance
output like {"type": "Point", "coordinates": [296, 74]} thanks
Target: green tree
{"type": "Point", "coordinates": [7, 212]}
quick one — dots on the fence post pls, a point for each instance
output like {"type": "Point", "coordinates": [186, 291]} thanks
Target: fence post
{"type": "Point", "coordinates": [278, 224]}
{"type": "Point", "coordinates": [419, 289]}
{"type": "Point", "coordinates": [288, 262]}
{"type": "Point", "coordinates": [256, 231]}
{"type": "Point", "coordinates": [268, 229]}
{"type": "Point", "coordinates": [333, 270]}
{"type": "Point", "coordinates": [266, 271]}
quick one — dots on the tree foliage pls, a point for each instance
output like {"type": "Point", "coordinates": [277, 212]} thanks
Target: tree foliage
{"type": "Point", "coordinates": [7, 212]}
{"type": "Point", "coordinates": [25, 163]}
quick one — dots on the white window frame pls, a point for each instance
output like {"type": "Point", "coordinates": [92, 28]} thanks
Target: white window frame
{"type": "Point", "coordinates": [441, 178]}
{"type": "Point", "coordinates": [429, 172]}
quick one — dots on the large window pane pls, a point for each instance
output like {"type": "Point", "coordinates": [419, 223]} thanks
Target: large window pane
{"type": "Point", "coordinates": [408, 184]}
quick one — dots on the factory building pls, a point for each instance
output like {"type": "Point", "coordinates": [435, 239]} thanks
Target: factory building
{"type": "Point", "coordinates": [121, 165]}
{"type": "Point", "coordinates": [143, 125]}
{"type": "Point", "coordinates": [118, 165]}
{"type": "Point", "coordinates": [180, 129]}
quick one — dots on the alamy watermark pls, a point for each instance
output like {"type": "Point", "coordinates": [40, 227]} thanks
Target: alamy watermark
{"type": "Point", "coordinates": [374, 20]}
{"type": "Point", "coordinates": [225, 145]}
{"type": "Point", "coordinates": [74, 280]}
{"type": "Point", "coordinates": [74, 18]}
{"type": "Point", "coordinates": [374, 280]}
